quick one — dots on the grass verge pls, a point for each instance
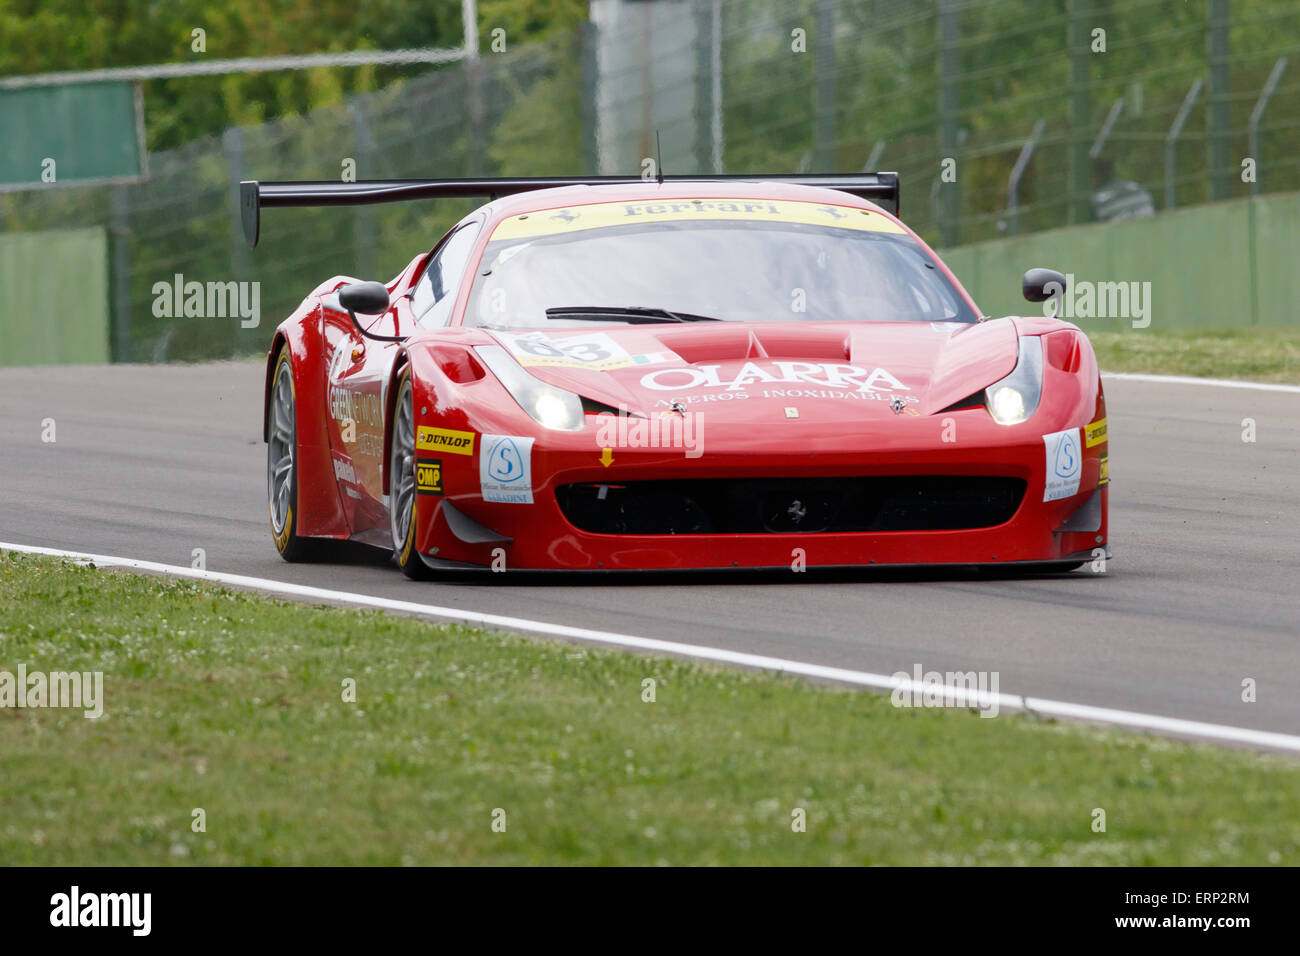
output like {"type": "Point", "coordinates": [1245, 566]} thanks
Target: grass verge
{"type": "Point", "coordinates": [1262, 355]}
{"type": "Point", "coordinates": [232, 703]}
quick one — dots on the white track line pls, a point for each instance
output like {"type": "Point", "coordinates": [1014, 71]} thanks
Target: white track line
{"type": "Point", "coordinates": [1192, 380]}
{"type": "Point", "coordinates": [1054, 708]}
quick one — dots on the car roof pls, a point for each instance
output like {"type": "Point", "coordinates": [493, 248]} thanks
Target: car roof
{"type": "Point", "coordinates": [562, 196]}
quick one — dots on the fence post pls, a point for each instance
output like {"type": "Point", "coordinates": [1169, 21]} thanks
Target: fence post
{"type": "Point", "coordinates": [122, 349]}
{"type": "Point", "coordinates": [1103, 134]}
{"type": "Point", "coordinates": [1171, 142]}
{"type": "Point", "coordinates": [1257, 114]}
{"type": "Point", "coordinates": [873, 160]}
{"type": "Point", "coordinates": [949, 109]}
{"type": "Point", "coordinates": [363, 236]}
{"type": "Point", "coordinates": [232, 143]}
{"type": "Point", "coordinates": [704, 41]}
{"type": "Point", "coordinates": [1017, 173]}
{"type": "Point", "coordinates": [1218, 121]}
{"type": "Point", "coordinates": [587, 36]}
{"type": "Point", "coordinates": [472, 71]}
{"type": "Point", "coordinates": [1079, 168]}
{"type": "Point", "coordinates": [824, 87]}
{"type": "Point", "coordinates": [719, 165]}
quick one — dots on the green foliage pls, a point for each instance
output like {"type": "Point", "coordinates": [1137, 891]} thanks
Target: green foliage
{"type": "Point", "coordinates": [39, 36]}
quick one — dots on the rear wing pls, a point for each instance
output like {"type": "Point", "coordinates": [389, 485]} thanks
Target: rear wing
{"type": "Point", "coordinates": [880, 188]}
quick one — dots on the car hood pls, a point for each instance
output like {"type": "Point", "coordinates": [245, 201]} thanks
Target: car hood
{"type": "Point", "coordinates": [741, 371]}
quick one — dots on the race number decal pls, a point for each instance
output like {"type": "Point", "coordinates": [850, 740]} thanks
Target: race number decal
{"type": "Point", "coordinates": [593, 350]}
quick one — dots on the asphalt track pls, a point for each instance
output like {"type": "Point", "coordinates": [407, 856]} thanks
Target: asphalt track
{"type": "Point", "coordinates": [151, 462]}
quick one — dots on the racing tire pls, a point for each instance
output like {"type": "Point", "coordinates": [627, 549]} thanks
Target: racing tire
{"type": "Point", "coordinates": [404, 501]}
{"type": "Point", "coordinates": [282, 465]}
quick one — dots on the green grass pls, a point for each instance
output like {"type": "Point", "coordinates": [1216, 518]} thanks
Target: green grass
{"type": "Point", "coordinates": [231, 702]}
{"type": "Point", "coordinates": [1263, 354]}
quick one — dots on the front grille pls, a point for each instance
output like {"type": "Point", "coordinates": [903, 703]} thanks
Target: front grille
{"type": "Point", "coordinates": [792, 505]}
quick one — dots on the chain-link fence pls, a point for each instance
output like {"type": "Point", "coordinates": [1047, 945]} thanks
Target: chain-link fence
{"type": "Point", "coordinates": [1002, 117]}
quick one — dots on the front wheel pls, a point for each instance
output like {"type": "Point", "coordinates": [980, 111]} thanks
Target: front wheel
{"type": "Point", "coordinates": [403, 499]}
{"type": "Point", "coordinates": [282, 464]}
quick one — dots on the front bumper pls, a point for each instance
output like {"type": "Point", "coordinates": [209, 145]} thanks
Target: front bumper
{"type": "Point", "coordinates": [538, 536]}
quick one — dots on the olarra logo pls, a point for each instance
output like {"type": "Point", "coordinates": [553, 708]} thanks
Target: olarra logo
{"type": "Point", "coordinates": [850, 377]}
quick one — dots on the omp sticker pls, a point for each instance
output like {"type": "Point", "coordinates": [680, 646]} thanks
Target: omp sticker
{"type": "Point", "coordinates": [593, 350]}
{"type": "Point", "coordinates": [1103, 477]}
{"type": "Point", "coordinates": [444, 439]}
{"type": "Point", "coordinates": [428, 476]}
{"type": "Point", "coordinates": [1095, 433]}
{"type": "Point", "coordinates": [604, 215]}
{"type": "Point", "coordinates": [1064, 461]}
{"type": "Point", "coordinates": [505, 469]}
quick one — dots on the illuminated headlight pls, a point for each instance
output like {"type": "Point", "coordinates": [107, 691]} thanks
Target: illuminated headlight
{"type": "Point", "coordinates": [549, 406]}
{"type": "Point", "coordinates": [1012, 400]}
{"type": "Point", "coordinates": [1006, 405]}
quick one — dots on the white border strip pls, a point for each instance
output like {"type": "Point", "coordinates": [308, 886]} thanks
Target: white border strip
{"type": "Point", "coordinates": [1193, 380]}
{"type": "Point", "coordinates": [971, 698]}
{"type": "Point", "coordinates": [247, 64]}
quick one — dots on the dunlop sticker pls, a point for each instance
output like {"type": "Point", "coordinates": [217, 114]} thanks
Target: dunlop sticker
{"type": "Point", "coordinates": [444, 439]}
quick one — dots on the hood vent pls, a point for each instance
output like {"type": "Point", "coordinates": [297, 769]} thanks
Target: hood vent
{"type": "Point", "coordinates": [721, 344]}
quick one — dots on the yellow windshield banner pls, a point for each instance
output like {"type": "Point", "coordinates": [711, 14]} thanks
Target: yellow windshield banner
{"type": "Point", "coordinates": [550, 222]}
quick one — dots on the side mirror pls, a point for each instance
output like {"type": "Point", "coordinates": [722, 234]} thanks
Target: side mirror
{"type": "Point", "coordinates": [1039, 285]}
{"type": "Point", "coordinates": [368, 298]}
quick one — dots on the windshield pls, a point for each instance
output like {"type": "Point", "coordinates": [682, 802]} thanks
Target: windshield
{"type": "Point", "coordinates": [732, 261]}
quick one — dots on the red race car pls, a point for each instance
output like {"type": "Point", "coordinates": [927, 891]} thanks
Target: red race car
{"type": "Point", "coordinates": [725, 372]}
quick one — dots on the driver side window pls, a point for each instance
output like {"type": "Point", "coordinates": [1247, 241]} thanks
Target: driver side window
{"type": "Point", "coordinates": [434, 294]}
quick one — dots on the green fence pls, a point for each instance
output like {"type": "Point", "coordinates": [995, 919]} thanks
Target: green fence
{"type": "Point", "coordinates": [950, 93]}
{"type": "Point", "coordinates": [1224, 265]}
{"type": "Point", "coordinates": [55, 309]}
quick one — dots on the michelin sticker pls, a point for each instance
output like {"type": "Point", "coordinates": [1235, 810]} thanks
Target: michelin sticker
{"type": "Point", "coordinates": [1064, 464]}
{"type": "Point", "coordinates": [505, 469]}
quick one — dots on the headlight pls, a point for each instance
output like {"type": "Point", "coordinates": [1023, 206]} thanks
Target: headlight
{"type": "Point", "coordinates": [549, 406]}
{"type": "Point", "coordinates": [1012, 400]}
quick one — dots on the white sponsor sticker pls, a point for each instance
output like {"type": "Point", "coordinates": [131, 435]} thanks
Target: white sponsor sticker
{"type": "Point", "coordinates": [344, 471]}
{"type": "Point", "coordinates": [505, 469]}
{"type": "Point", "coordinates": [1064, 464]}
{"type": "Point", "coordinates": [825, 374]}
{"type": "Point", "coordinates": [593, 350]}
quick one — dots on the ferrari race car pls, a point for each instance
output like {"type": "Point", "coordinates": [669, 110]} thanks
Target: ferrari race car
{"type": "Point", "coordinates": [711, 373]}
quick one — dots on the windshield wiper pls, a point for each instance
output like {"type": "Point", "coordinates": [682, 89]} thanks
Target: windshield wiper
{"type": "Point", "coordinates": [633, 314]}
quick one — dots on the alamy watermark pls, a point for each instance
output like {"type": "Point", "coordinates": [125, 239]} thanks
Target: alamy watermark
{"type": "Point", "coordinates": [976, 689]}
{"type": "Point", "coordinates": [129, 910]}
{"type": "Point", "coordinates": [1084, 299]}
{"type": "Point", "coordinates": [208, 300]}
{"type": "Point", "coordinates": [82, 690]}
{"type": "Point", "coordinates": [678, 428]}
